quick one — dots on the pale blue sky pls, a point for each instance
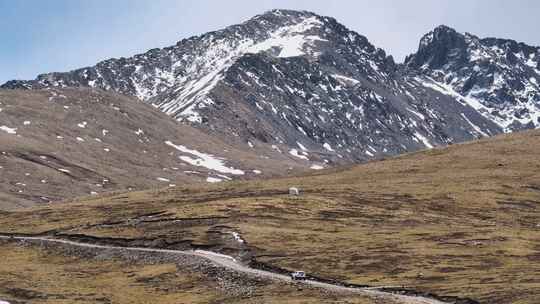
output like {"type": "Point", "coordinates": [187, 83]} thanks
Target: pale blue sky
{"type": "Point", "coordinates": [38, 36]}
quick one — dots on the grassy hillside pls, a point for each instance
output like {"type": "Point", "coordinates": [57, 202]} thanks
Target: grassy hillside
{"type": "Point", "coordinates": [62, 143]}
{"type": "Point", "coordinates": [49, 277]}
{"type": "Point", "coordinates": [461, 221]}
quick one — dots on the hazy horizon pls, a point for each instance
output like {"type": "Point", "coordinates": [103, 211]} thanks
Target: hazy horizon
{"type": "Point", "coordinates": [62, 35]}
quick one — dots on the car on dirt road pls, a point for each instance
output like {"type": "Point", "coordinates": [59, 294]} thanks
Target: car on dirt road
{"type": "Point", "coordinates": [298, 276]}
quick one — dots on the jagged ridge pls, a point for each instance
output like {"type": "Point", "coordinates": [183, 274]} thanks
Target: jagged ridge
{"type": "Point", "coordinates": [307, 84]}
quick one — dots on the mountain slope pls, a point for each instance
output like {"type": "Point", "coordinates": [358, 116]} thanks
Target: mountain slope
{"type": "Point", "coordinates": [459, 221]}
{"type": "Point", "coordinates": [500, 78]}
{"type": "Point", "coordinates": [289, 78]}
{"type": "Point", "coordinates": [61, 143]}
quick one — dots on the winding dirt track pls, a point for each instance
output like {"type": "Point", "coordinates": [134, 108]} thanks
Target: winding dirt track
{"type": "Point", "coordinates": [231, 263]}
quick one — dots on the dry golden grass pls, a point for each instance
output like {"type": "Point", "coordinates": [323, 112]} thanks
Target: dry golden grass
{"type": "Point", "coordinates": [41, 277]}
{"type": "Point", "coordinates": [461, 221]}
{"type": "Point", "coordinates": [34, 275]}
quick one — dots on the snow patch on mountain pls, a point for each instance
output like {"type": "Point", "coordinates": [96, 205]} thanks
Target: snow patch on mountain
{"type": "Point", "coordinates": [295, 153]}
{"type": "Point", "coordinates": [423, 139]}
{"type": "Point", "coordinates": [8, 130]}
{"type": "Point", "coordinates": [203, 72]}
{"type": "Point", "coordinates": [204, 160]}
{"type": "Point", "coordinates": [475, 127]}
{"type": "Point", "coordinates": [328, 147]}
{"type": "Point", "coordinates": [497, 77]}
{"type": "Point", "coordinates": [289, 40]}
{"type": "Point", "coordinates": [213, 180]}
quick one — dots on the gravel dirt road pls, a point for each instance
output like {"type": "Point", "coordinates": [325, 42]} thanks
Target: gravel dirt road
{"type": "Point", "coordinates": [233, 264]}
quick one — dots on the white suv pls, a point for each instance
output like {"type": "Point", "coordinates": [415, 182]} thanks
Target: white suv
{"type": "Point", "coordinates": [298, 275]}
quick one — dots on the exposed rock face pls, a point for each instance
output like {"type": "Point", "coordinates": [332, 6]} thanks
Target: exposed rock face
{"type": "Point", "coordinates": [498, 77]}
{"type": "Point", "coordinates": [306, 84]}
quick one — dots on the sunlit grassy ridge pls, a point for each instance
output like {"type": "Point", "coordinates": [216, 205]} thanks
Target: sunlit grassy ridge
{"type": "Point", "coordinates": [459, 221]}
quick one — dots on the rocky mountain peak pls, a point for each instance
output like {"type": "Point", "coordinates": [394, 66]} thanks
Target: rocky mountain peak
{"type": "Point", "coordinates": [283, 16]}
{"type": "Point", "coordinates": [437, 47]}
{"type": "Point", "coordinates": [178, 79]}
{"type": "Point", "coordinates": [499, 77]}
{"type": "Point", "coordinates": [312, 89]}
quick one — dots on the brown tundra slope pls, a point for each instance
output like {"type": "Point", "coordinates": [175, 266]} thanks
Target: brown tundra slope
{"type": "Point", "coordinates": [461, 221]}
{"type": "Point", "coordinates": [62, 143]}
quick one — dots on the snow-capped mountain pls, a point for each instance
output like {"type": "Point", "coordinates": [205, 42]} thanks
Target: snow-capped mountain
{"type": "Point", "coordinates": [306, 86]}
{"type": "Point", "coordinates": [500, 78]}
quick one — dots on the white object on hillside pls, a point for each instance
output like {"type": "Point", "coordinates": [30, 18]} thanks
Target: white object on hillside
{"type": "Point", "coordinates": [294, 191]}
{"type": "Point", "coordinates": [237, 237]}
{"type": "Point", "coordinates": [298, 275]}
